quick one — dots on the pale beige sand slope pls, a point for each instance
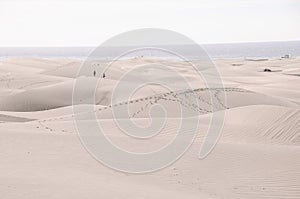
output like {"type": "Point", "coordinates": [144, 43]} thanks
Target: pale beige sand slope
{"type": "Point", "coordinates": [257, 155]}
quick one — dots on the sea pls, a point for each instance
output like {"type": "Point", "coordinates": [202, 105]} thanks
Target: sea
{"type": "Point", "coordinates": [214, 51]}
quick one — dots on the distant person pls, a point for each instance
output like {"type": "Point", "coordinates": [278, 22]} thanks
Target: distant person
{"type": "Point", "coordinates": [103, 75]}
{"type": "Point", "coordinates": [94, 73]}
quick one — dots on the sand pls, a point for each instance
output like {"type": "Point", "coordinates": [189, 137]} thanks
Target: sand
{"type": "Point", "coordinates": [257, 155]}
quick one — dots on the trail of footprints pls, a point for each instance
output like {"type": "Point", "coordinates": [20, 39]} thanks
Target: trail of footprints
{"type": "Point", "coordinates": [184, 98]}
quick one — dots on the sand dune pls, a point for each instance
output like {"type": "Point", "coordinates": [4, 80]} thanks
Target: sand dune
{"type": "Point", "coordinates": [60, 95]}
{"type": "Point", "coordinates": [265, 127]}
{"type": "Point", "coordinates": [257, 155]}
{"type": "Point", "coordinates": [7, 118]}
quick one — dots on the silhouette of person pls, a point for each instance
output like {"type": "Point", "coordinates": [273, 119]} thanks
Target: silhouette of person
{"type": "Point", "coordinates": [103, 75]}
{"type": "Point", "coordinates": [94, 73]}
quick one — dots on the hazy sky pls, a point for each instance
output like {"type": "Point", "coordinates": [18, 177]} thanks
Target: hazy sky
{"type": "Point", "coordinates": [91, 22]}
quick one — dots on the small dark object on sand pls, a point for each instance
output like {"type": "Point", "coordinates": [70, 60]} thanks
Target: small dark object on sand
{"type": "Point", "coordinates": [267, 70]}
{"type": "Point", "coordinates": [286, 57]}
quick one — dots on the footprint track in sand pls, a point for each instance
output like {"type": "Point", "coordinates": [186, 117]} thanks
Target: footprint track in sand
{"type": "Point", "coordinates": [181, 97]}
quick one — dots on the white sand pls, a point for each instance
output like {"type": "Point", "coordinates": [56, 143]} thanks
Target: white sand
{"type": "Point", "coordinates": [257, 155]}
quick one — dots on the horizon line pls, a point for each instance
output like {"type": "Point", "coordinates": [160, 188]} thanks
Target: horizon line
{"type": "Point", "coordinates": [90, 46]}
